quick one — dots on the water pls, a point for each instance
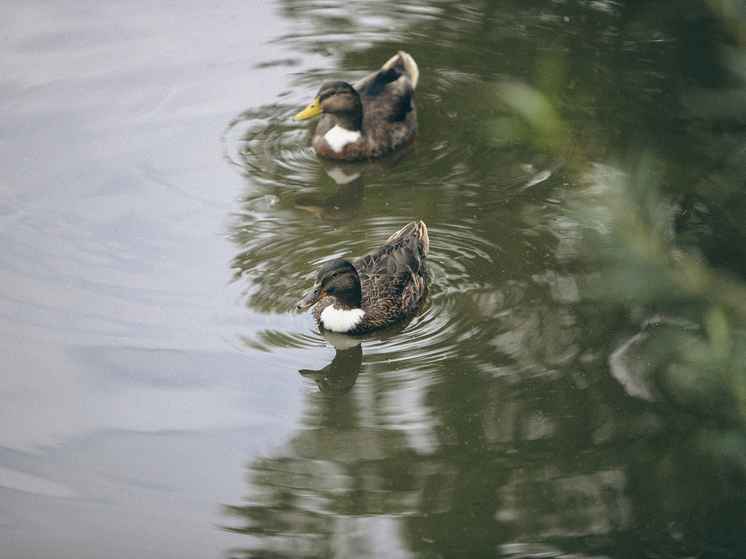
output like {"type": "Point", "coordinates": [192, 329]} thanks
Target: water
{"type": "Point", "coordinates": [570, 384]}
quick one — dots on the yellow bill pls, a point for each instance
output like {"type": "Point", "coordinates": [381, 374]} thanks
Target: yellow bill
{"type": "Point", "coordinates": [310, 111]}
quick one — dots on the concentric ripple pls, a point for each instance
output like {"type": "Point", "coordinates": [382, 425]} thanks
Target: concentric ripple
{"type": "Point", "coordinates": [266, 144]}
{"type": "Point", "coordinates": [485, 208]}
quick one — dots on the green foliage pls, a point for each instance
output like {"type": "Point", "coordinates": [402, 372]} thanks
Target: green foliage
{"type": "Point", "coordinates": [636, 251]}
{"type": "Point", "coordinates": [534, 118]}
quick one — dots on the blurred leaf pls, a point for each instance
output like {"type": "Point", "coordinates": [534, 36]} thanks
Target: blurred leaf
{"type": "Point", "coordinates": [718, 329]}
{"type": "Point", "coordinates": [539, 122]}
{"type": "Point", "coordinates": [733, 15]}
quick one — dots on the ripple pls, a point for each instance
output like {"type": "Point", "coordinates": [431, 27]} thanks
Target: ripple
{"type": "Point", "coordinates": [484, 206]}
{"type": "Point", "coordinates": [420, 343]}
{"type": "Point", "coordinates": [267, 145]}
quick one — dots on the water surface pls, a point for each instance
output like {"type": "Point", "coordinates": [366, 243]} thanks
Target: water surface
{"type": "Point", "coordinates": [570, 386]}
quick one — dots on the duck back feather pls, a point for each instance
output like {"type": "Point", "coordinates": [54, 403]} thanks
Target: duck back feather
{"type": "Point", "coordinates": [392, 278]}
{"type": "Point", "coordinates": [389, 113]}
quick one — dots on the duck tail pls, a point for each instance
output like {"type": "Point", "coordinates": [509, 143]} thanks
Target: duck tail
{"type": "Point", "coordinates": [424, 238]}
{"type": "Point", "coordinates": [417, 230]}
{"type": "Point", "coordinates": [410, 66]}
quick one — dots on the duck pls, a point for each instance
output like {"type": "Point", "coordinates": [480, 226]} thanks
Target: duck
{"type": "Point", "coordinates": [369, 119]}
{"type": "Point", "coordinates": [377, 290]}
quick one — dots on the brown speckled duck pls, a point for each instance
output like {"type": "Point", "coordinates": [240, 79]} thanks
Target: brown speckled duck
{"type": "Point", "coordinates": [371, 118]}
{"type": "Point", "coordinates": [376, 291]}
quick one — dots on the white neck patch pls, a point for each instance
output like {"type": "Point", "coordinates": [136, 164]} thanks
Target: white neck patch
{"type": "Point", "coordinates": [338, 138]}
{"type": "Point", "coordinates": [340, 320]}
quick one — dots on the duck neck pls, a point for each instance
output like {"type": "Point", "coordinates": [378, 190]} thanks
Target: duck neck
{"type": "Point", "coordinates": [350, 121]}
{"type": "Point", "coordinates": [350, 114]}
{"type": "Point", "coordinates": [350, 299]}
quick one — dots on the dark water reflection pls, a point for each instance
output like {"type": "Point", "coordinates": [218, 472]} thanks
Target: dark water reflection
{"type": "Point", "coordinates": [521, 412]}
{"type": "Point", "coordinates": [573, 384]}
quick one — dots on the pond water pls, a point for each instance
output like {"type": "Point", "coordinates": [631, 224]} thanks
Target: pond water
{"type": "Point", "coordinates": [573, 383]}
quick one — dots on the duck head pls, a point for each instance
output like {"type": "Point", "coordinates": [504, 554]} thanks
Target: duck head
{"type": "Point", "coordinates": [340, 279]}
{"type": "Point", "coordinates": [339, 99]}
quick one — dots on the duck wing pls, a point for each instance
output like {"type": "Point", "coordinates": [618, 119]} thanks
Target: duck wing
{"type": "Point", "coordinates": [387, 95]}
{"type": "Point", "coordinates": [393, 276]}
{"type": "Point", "coordinates": [388, 299]}
{"type": "Point", "coordinates": [391, 257]}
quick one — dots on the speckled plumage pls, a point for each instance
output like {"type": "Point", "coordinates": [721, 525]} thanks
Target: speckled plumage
{"type": "Point", "coordinates": [386, 100]}
{"type": "Point", "coordinates": [391, 280]}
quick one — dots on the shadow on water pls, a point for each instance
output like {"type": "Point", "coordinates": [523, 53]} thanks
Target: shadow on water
{"type": "Point", "coordinates": [573, 384]}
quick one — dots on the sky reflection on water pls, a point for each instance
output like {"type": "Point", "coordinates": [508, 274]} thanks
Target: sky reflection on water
{"type": "Point", "coordinates": [163, 214]}
{"type": "Point", "coordinates": [127, 413]}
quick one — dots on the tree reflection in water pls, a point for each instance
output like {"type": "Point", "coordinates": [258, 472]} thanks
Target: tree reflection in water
{"type": "Point", "coordinates": [575, 383]}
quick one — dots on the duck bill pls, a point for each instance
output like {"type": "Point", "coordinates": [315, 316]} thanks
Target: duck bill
{"type": "Point", "coordinates": [314, 295]}
{"type": "Point", "coordinates": [310, 111]}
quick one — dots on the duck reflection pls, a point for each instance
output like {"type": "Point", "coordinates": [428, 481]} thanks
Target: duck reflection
{"type": "Point", "coordinates": [339, 376]}
{"type": "Point", "coordinates": [344, 204]}
{"type": "Point", "coordinates": [340, 207]}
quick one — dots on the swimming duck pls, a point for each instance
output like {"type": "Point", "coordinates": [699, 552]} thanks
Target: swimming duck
{"type": "Point", "coordinates": [371, 118]}
{"type": "Point", "coordinates": [376, 291]}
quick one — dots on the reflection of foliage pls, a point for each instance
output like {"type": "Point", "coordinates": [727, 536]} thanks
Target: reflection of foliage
{"type": "Point", "coordinates": [652, 256]}
{"type": "Point", "coordinates": [504, 467]}
{"type": "Point", "coordinates": [733, 15]}
{"type": "Point", "coordinates": [557, 292]}
{"type": "Point", "coordinates": [335, 472]}
{"type": "Point", "coordinates": [698, 484]}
